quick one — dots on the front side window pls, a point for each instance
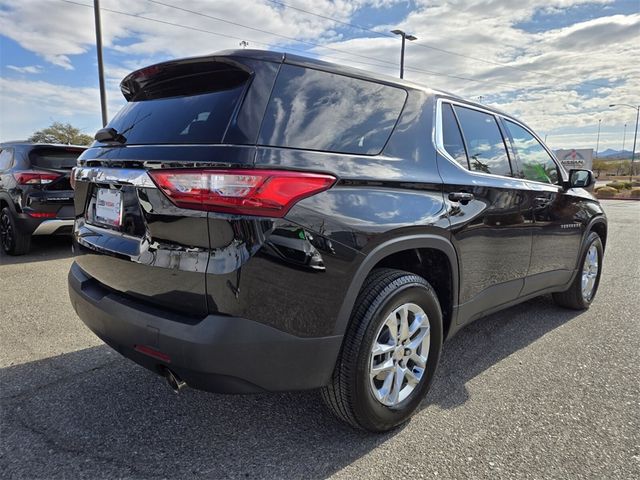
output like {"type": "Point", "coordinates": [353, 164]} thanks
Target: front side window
{"type": "Point", "coordinates": [485, 145]}
{"type": "Point", "coordinates": [315, 110]}
{"type": "Point", "coordinates": [451, 136]}
{"type": "Point", "coordinates": [534, 161]}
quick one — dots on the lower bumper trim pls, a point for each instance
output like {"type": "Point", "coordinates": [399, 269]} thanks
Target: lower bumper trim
{"type": "Point", "coordinates": [51, 226]}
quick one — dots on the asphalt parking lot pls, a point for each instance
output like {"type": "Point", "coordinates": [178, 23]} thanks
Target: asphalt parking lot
{"type": "Point", "coordinates": [531, 392]}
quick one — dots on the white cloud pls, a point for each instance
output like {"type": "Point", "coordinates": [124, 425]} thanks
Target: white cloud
{"type": "Point", "coordinates": [26, 69]}
{"type": "Point", "coordinates": [560, 81]}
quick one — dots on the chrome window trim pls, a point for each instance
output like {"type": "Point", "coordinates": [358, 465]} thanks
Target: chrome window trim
{"type": "Point", "coordinates": [114, 176]}
{"type": "Point", "coordinates": [438, 139]}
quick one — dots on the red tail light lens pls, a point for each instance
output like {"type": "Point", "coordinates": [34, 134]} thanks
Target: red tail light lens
{"type": "Point", "coordinates": [34, 177]}
{"type": "Point", "coordinates": [42, 214]}
{"type": "Point", "coordinates": [265, 193]}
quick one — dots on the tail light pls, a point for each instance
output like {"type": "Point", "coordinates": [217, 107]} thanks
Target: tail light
{"type": "Point", "coordinates": [265, 193]}
{"type": "Point", "coordinates": [34, 177]}
{"type": "Point", "coordinates": [42, 214]}
{"type": "Point", "coordinates": [72, 178]}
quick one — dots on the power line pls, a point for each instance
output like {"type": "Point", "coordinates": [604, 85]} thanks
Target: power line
{"type": "Point", "coordinates": [379, 65]}
{"type": "Point", "coordinates": [428, 72]}
{"type": "Point", "coordinates": [430, 47]}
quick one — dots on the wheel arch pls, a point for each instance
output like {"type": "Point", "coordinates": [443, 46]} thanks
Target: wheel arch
{"type": "Point", "coordinates": [388, 254]}
{"type": "Point", "coordinates": [598, 225]}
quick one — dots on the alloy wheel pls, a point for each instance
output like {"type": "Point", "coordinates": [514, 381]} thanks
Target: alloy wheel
{"type": "Point", "coordinates": [589, 272]}
{"type": "Point", "coordinates": [399, 354]}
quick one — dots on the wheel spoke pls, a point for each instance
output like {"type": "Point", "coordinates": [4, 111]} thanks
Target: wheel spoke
{"type": "Point", "coordinates": [404, 323]}
{"type": "Point", "coordinates": [382, 348]}
{"type": "Point", "coordinates": [398, 380]}
{"type": "Point", "coordinates": [392, 325]}
{"type": "Point", "coordinates": [385, 367]}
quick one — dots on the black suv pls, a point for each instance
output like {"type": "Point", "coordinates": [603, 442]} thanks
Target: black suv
{"type": "Point", "coordinates": [254, 221]}
{"type": "Point", "coordinates": [36, 197]}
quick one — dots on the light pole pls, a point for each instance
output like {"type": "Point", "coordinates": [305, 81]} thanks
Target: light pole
{"type": "Point", "coordinates": [103, 95]}
{"type": "Point", "coordinates": [598, 140]}
{"type": "Point", "coordinates": [635, 135]}
{"type": "Point", "coordinates": [405, 36]}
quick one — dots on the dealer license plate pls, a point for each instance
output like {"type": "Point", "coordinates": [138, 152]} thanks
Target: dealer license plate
{"type": "Point", "coordinates": [109, 207]}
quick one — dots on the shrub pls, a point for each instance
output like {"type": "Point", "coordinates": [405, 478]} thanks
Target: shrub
{"type": "Point", "coordinates": [635, 192]}
{"type": "Point", "coordinates": [606, 192]}
{"type": "Point", "coordinates": [619, 185]}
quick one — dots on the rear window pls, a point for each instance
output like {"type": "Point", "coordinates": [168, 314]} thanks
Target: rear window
{"type": "Point", "coordinates": [186, 105]}
{"type": "Point", "coordinates": [55, 158]}
{"type": "Point", "coordinates": [315, 110]}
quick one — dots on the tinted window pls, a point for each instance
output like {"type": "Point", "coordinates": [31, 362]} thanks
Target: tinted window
{"type": "Point", "coordinates": [534, 161]}
{"type": "Point", "coordinates": [193, 108]}
{"type": "Point", "coordinates": [54, 158]}
{"type": "Point", "coordinates": [317, 110]}
{"type": "Point", "coordinates": [485, 145]}
{"type": "Point", "coordinates": [451, 136]}
{"type": "Point", "coordinates": [6, 159]}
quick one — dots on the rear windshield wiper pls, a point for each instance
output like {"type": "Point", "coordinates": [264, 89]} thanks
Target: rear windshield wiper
{"type": "Point", "coordinates": [107, 135]}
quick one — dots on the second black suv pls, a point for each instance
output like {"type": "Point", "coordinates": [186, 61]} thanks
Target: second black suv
{"type": "Point", "coordinates": [36, 197]}
{"type": "Point", "coordinates": [252, 221]}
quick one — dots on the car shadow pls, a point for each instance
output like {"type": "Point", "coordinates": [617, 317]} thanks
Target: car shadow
{"type": "Point", "coordinates": [43, 248]}
{"type": "Point", "coordinates": [103, 416]}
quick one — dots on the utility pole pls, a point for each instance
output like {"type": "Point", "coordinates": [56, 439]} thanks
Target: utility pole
{"type": "Point", "coordinates": [598, 141]}
{"type": "Point", "coordinates": [635, 135]}
{"type": "Point", "coordinates": [624, 137]}
{"type": "Point", "coordinates": [103, 95]}
{"type": "Point", "coordinates": [405, 36]}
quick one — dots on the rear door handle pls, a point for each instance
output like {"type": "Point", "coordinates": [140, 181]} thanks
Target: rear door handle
{"type": "Point", "coordinates": [462, 197]}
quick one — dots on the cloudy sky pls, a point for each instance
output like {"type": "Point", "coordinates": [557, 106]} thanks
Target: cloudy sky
{"type": "Point", "coordinates": [556, 64]}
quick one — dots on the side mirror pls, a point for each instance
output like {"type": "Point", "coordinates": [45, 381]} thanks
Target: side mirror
{"type": "Point", "coordinates": [580, 178]}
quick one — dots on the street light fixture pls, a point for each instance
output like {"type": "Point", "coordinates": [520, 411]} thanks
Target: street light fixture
{"type": "Point", "coordinates": [635, 135]}
{"type": "Point", "coordinates": [405, 36]}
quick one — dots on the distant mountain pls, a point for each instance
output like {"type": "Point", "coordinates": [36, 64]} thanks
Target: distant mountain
{"type": "Point", "coordinates": [610, 153]}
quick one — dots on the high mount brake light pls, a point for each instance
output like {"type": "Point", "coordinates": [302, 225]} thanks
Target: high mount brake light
{"type": "Point", "coordinates": [264, 193]}
{"type": "Point", "coordinates": [34, 177]}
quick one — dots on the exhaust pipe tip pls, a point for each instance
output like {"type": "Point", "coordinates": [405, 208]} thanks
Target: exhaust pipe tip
{"type": "Point", "coordinates": [174, 381]}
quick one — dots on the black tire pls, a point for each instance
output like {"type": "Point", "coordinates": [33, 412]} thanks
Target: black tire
{"type": "Point", "coordinates": [13, 241]}
{"type": "Point", "coordinates": [572, 297]}
{"type": "Point", "coordinates": [349, 395]}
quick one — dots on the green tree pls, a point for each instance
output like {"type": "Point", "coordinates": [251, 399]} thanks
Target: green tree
{"type": "Point", "coordinates": [59, 132]}
{"type": "Point", "coordinates": [600, 166]}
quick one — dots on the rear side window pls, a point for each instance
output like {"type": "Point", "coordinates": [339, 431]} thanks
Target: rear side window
{"type": "Point", "coordinates": [485, 145]}
{"type": "Point", "coordinates": [534, 161]}
{"type": "Point", "coordinates": [56, 158]}
{"type": "Point", "coordinates": [6, 159]}
{"type": "Point", "coordinates": [453, 143]}
{"type": "Point", "coordinates": [184, 105]}
{"type": "Point", "coordinates": [315, 110]}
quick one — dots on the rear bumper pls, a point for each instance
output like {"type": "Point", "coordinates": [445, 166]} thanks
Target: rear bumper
{"type": "Point", "coordinates": [216, 353]}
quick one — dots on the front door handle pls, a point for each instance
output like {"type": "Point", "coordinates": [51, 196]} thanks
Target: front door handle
{"type": "Point", "coordinates": [541, 201]}
{"type": "Point", "coordinates": [462, 197]}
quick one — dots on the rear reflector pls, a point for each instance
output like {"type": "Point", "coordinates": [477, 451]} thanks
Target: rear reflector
{"type": "Point", "coordinates": [265, 193]}
{"type": "Point", "coordinates": [42, 214]}
{"type": "Point", "coordinates": [34, 177]}
{"type": "Point", "coordinates": [152, 352]}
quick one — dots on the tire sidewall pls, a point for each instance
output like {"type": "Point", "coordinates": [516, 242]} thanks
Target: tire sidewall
{"type": "Point", "coordinates": [372, 414]}
{"type": "Point", "coordinates": [6, 212]}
